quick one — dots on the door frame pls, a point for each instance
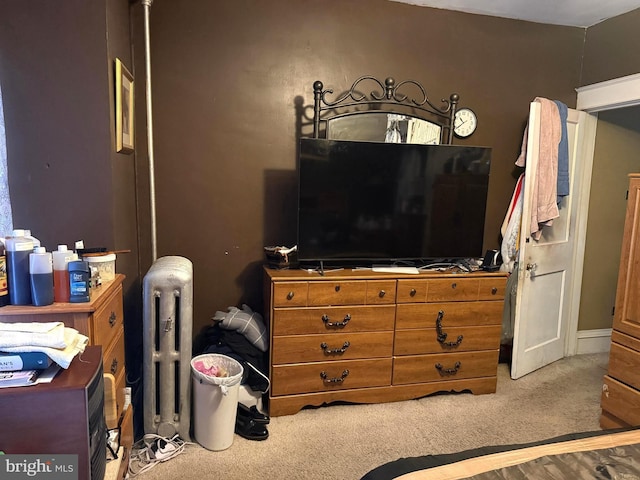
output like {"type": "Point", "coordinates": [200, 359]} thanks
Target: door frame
{"type": "Point", "coordinates": [608, 95]}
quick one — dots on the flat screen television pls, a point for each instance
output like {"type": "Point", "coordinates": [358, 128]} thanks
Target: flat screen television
{"type": "Point", "coordinates": [370, 203]}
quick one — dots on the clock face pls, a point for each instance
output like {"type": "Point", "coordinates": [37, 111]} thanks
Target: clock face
{"type": "Point", "coordinates": [464, 123]}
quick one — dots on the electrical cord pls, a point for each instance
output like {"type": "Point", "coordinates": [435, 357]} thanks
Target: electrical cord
{"type": "Point", "coordinates": [442, 266]}
{"type": "Point", "coordinates": [466, 265]}
{"type": "Point", "coordinates": [152, 449]}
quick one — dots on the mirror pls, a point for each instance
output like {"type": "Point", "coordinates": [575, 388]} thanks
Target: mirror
{"type": "Point", "coordinates": [383, 127]}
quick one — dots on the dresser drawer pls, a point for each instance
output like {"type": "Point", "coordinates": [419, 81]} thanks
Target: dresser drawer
{"type": "Point", "coordinates": [623, 365]}
{"type": "Point", "coordinates": [625, 340]}
{"type": "Point", "coordinates": [108, 320]}
{"type": "Point", "coordinates": [337, 293]}
{"type": "Point", "coordinates": [453, 339]}
{"type": "Point", "coordinates": [452, 290]}
{"type": "Point", "coordinates": [412, 291]}
{"type": "Point", "coordinates": [301, 321]}
{"type": "Point", "coordinates": [420, 315]}
{"type": "Point", "coordinates": [113, 356]}
{"type": "Point", "coordinates": [290, 294]}
{"type": "Point", "coordinates": [328, 376]}
{"type": "Point", "coordinates": [381, 292]}
{"type": "Point", "coordinates": [445, 366]}
{"type": "Point", "coordinates": [338, 346]}
{"type": "Point", "coordinates": [621, 401]}
{"type": "Point", "coordinates": [492, 288]}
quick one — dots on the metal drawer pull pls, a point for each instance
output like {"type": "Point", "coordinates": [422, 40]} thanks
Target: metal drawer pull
{"type": "Point", "coordinates": [290, 295]}
{"type": "Point", "coordinates": [327, 323]}
{"type": "Point", "coordinates": [454, 285]}
{"type": "Point", "coordinates": [413, 292]}
{"type": "Point", "coordinates": [114, 366]}
{"type": "Point", "coordinates": [448, 371]}
{"type": "Point", "coordinates": [382, 293]}
{"type": "Point", "coordinates": [494, 290]}
{"type": "Point", "coordinates": [326, 380]}
{"type": "Point", "coordinates": [330, 351]}
{"type": "Point", "coordinates": [337, 288]}
{"type": "Point", "coordinates": [112, 319]}
{"type": "Point", "coordinates": [442, 336]}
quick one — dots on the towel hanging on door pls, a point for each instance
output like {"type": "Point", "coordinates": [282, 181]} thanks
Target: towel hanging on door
{"type": "Point", "coordinates": [563, 153]}
{"type": "Point", "coordinates": [545, 183]}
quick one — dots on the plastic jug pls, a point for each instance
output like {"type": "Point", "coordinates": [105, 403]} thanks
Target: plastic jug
{"type": "Point", "coordinates": [61, 259]}
{"type": "Point", "coordinates": [36, 242]}
{"type": "Point", "coordinates": [41, 277]}
{"type": "Point", "coordinates": [18, 249]}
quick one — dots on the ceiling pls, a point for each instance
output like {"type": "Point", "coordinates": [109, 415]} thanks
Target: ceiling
{"type": "Point", "coordinates": [576, 13]}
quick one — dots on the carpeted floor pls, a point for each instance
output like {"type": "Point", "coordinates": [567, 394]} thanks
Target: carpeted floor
{"type": "Point", "coordinates": [343, 442]}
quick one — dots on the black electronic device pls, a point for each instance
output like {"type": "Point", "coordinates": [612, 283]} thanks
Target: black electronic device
{"type": "Point", "coordinates": [373, 202]}
{"type": "Point", "coordinates": [491, 261]}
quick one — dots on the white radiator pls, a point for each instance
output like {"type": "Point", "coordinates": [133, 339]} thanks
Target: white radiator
{"type": "Point", "coordinates": [167, 339]}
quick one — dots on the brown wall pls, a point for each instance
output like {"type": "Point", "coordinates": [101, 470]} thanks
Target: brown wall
{"type": "Point", "coordinates": [122, 165]}
{"type": "Point", "coordinates": [227, 79]}
{"type": "Point", "coordinates": [66, 180]}
{"type": "Point", "coordinates": [56, 106]}
{"type": "Point", "coordinates": [612, 49]}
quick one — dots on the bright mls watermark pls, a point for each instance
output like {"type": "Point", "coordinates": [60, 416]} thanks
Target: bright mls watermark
{"type": "Point", "coordinates": [49, 467]}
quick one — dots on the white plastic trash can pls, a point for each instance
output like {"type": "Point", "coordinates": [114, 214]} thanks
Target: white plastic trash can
{"type": "Point", "coordinates": [215, 401]}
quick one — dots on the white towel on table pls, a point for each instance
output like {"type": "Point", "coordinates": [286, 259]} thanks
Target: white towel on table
{"type": "Point", "coordinates": [35, 334]}
{"type": "Point", "coordinates": [74, 343]}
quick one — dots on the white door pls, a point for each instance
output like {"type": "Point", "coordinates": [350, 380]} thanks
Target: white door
{"type": "Point", "coordinates": [547, 277]}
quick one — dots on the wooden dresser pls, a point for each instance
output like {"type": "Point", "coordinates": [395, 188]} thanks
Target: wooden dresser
{"type": "Point", "coordinates": [101, 320]}
{"type": "Point", "coordinates": [621, 389]}
{"type": "Point", "coordinates": [365, 337]}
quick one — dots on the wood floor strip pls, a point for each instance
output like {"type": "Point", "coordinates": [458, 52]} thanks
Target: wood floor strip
{"type": "Point", "coordinates": [477, 465]}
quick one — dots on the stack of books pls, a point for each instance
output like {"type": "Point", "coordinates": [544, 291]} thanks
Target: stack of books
{"type": "Point", "coordinates": [26, 368]}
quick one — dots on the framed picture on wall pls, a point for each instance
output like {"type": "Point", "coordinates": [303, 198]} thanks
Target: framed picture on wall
{"type": "Point", "coordinates": [124, 108]}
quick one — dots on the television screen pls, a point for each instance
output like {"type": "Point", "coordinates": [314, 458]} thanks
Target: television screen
{"type": "Point", "coordinates": [371, 202]}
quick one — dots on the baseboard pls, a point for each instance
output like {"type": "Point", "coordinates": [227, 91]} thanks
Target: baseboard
{"type": "Point", "coordinates": [594, 341]}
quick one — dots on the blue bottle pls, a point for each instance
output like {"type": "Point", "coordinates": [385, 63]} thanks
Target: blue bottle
{"type": "Point", "coordinates": [79, 277]}
{"type": "Point", "coordinates": [19, 247]}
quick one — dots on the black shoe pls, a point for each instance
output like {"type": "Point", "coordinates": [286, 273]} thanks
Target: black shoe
{"type": "Point", "coordinates": [252, 414]}
{"type": "Point", "coordinates": [249, 429]}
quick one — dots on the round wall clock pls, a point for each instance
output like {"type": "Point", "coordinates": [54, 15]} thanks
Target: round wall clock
{"type": "Point", "coordinates": [464, 123]}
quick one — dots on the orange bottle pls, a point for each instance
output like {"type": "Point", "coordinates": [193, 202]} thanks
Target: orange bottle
{"type": "Point", "coordinates": [61, 259]}
{"type": "Point", "coordinates": [4, 287]}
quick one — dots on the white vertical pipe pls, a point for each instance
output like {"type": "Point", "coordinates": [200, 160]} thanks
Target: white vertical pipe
{"type": "Point", "coordinates": [152, 188]}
